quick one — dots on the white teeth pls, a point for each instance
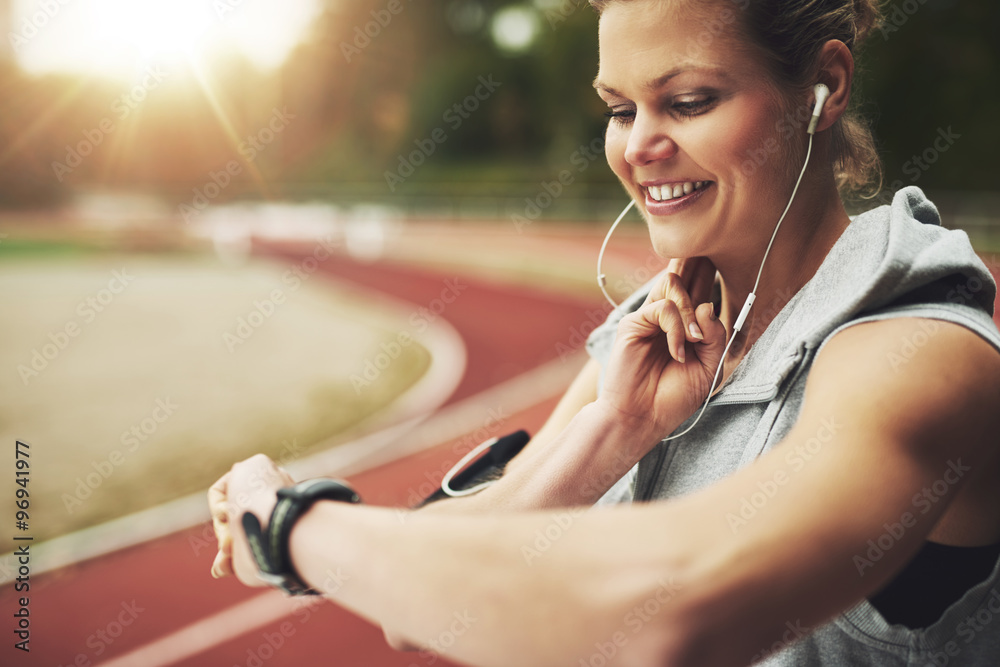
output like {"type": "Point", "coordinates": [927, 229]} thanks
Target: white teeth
{"type": "Point", "coordinates": [668, 192]}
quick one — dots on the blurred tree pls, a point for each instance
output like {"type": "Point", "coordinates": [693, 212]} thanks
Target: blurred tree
{"type": "Point", "coordinates": [932, 67]}
{"type": "Point", "coordinates": [369, 87]}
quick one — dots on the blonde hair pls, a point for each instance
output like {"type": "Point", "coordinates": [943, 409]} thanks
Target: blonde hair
{"type": "Point", "coordinates": [790, 34]}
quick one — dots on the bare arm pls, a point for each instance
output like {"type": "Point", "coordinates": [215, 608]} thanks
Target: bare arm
{"type": "Point", "coordinates": [575, 458]}
{"type": "Point", "coordinates": [708, 574]}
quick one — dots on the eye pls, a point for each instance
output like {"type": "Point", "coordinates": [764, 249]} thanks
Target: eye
{"type": "Point", "coordinates": [622, 116]}
{"type": "Point", "coordinates": [692, 105]}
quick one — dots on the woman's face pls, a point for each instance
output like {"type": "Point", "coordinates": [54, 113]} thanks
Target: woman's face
{"type": "Point", "coordinates": [697, 135]}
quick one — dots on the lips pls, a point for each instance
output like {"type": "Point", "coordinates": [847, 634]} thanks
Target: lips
{"type": "Point", "coordinates": [669, 198]}
{"type": "Point", "coordinates": [668, 191]}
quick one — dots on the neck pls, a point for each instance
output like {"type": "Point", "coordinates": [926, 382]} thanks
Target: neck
{"type": "Point", "coordinates": [815, 221]}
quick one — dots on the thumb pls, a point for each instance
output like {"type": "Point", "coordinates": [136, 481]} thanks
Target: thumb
{"type": "Point", "coordinates": [222, 566]}
{"type": "Point", "coordinates": [711, 348]}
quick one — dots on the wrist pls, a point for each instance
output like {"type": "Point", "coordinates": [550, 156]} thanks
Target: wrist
{"type": "Point", "coordinates": [270, 546]}
{"type": "Point", "coordinates": [637, 432]}
{"type": "Point", "coordinates": [335, 544]}
{"type": "Point", "coordinates": [310, 551]}
{"type": "Point", "coordinates": [597, 447]}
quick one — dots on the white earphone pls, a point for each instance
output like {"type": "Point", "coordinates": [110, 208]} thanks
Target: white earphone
{"type": "Point", "coordinates": [822, 93]}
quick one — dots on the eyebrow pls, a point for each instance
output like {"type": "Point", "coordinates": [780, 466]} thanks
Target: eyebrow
{"type": "Point", "coordinates": [661, 80]}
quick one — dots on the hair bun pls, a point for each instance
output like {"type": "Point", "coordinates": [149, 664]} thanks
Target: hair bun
{"type": "Point", "coordinates": [867, 17]}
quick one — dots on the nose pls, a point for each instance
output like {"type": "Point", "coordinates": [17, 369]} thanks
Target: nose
{"type": "Point", "coordinates": [648, 141]}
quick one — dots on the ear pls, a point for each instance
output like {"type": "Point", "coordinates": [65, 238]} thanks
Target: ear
{"type": "Point", "coordinates": [836, 70]}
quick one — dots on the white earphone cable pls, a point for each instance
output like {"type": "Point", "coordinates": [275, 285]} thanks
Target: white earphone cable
{"type": "Point", "coordinates": [602, 281]}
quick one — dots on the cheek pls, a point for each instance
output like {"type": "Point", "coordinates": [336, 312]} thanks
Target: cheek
{"type": "Point", "coordinates": [615, 143]}
{"type": "Point", "coordinates": [750, 148]}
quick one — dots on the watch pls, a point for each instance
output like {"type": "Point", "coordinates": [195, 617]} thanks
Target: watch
{"type": "Point", "coordinates": [270, 548]}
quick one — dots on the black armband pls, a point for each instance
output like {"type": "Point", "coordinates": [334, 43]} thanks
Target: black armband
{"type": "Point", "coordinates": [270, 549]}
{"type": "Point", "coordinates": [489, 466]}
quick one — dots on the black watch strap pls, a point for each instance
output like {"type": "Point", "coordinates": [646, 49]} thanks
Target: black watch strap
{"type": "Point", "coordinates": [270, 548]}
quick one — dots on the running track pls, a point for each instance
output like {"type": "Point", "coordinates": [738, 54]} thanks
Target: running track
{"type": "Point", "coordinates": [162, 586]}
{"type": "Point", "coordinates": [166, 582]}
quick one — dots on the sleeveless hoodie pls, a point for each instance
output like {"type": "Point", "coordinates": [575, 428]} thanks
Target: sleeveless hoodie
{"type": "Point", "coordinates": [893, 261]}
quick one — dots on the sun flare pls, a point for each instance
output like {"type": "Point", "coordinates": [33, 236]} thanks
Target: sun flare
{"type": "Point", "coordinates": [117, 38]}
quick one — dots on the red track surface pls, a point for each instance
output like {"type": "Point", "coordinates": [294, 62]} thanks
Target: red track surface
{"type": "Point", "coordinates": [506, 331]}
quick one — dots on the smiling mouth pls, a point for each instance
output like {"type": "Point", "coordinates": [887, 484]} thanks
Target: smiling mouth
{"type": "Point", "coordinates": [670, 191]}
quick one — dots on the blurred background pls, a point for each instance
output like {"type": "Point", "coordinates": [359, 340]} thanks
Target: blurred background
{"type": "Point", "coordinates": [164, 139]}
{"type": "Point", "coordinates": [240, 226]}
{"type": "Point", "coordinates": [154, 154]}
{"type": "Point", "coordinates": [183, 88]}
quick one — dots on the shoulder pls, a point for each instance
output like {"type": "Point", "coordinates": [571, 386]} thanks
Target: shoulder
{"type": "Point", "coordinates": [922, 381]}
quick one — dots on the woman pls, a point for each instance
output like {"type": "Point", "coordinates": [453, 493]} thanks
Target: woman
{"type": "Point", "coordinates": [850, 447]}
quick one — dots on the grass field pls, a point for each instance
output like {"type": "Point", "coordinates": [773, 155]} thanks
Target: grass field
{"type": "Point", "coordinates": [137, 379]}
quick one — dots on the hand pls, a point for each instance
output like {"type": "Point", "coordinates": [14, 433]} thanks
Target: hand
{"type": "Point", "coordinates": [250, 486]}
{"type": "Point", "coordinates": [661, 369]}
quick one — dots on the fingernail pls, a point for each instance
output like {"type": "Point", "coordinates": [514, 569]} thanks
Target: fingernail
{"type": "Point", "coordinates": [711, 313]}
{"type": "Point", "coordinates": [695, 331]}
{"type": "Point", "coordinates": [680, 355]}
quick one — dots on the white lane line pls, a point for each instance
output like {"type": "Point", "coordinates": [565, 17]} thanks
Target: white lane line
{"type": "Point", "coordinates": [466, 416]}
{"type": "Point", "coordinates": [207, 633]}
{"type": "Point", "coordinates": [514, 395]}
{"type": "Point", "coordinates": [447, 367]}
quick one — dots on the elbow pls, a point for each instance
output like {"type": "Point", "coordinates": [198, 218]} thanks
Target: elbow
{"type": "Point", "coordinates": [667, 645]}
{"type": "Point", "coordinates": [676, 644]}
{"type": "Point", "coordinates": [660, 629]}
{"type": "Point", "coordinates": [683, 635]}
{"type": "Point", "coordinates": [398, 642]}
{"type": "Point", "coordinates": [695, 636]}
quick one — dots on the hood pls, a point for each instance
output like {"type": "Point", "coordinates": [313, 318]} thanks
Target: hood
{"type": "Point", "coordinates": [892, 257]}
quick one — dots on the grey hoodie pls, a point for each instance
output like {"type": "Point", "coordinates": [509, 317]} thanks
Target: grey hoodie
{"type": "Point", "coordinates": [893, 261]}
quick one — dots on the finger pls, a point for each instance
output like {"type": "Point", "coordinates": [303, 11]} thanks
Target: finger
{"type": "Point", "coordinates": [672, 324]}
{"type": "Point", "coordinates": [658, 290]}
{"type": "Point", "coordinates": [661, 318]}
{"type": "Point", "coordinates": [676, 265]}
{"type": "Point", "coordinates": [711, 349]}
{"type": "Point", "coordinates": [226, 544]}
{"type": "Point", "coordinates": [675, 290]}
{"type": "Point", "coordinates": [222, 566]}
{"type": "Point", "coordinates": [688, 268]}
{"type": "Point", "coordinates": [224, 555]}
{"type": "Point", "coordinates": [217, 494]}
{"type": "Point", "coordinates": [701, 280]}
{"type": "Point", "coordinates": [218, 506]}
{"type": "Point", "coordinates": [697, 276]}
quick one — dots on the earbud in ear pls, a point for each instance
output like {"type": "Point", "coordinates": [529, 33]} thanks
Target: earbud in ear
{"type": "Point", "coordinates": [821, 92]}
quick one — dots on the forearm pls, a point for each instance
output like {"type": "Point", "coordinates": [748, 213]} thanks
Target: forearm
{"type": "Point", "coordinates": [575, 468]}
{"type": "Point", "coordinates": [478, 587]}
